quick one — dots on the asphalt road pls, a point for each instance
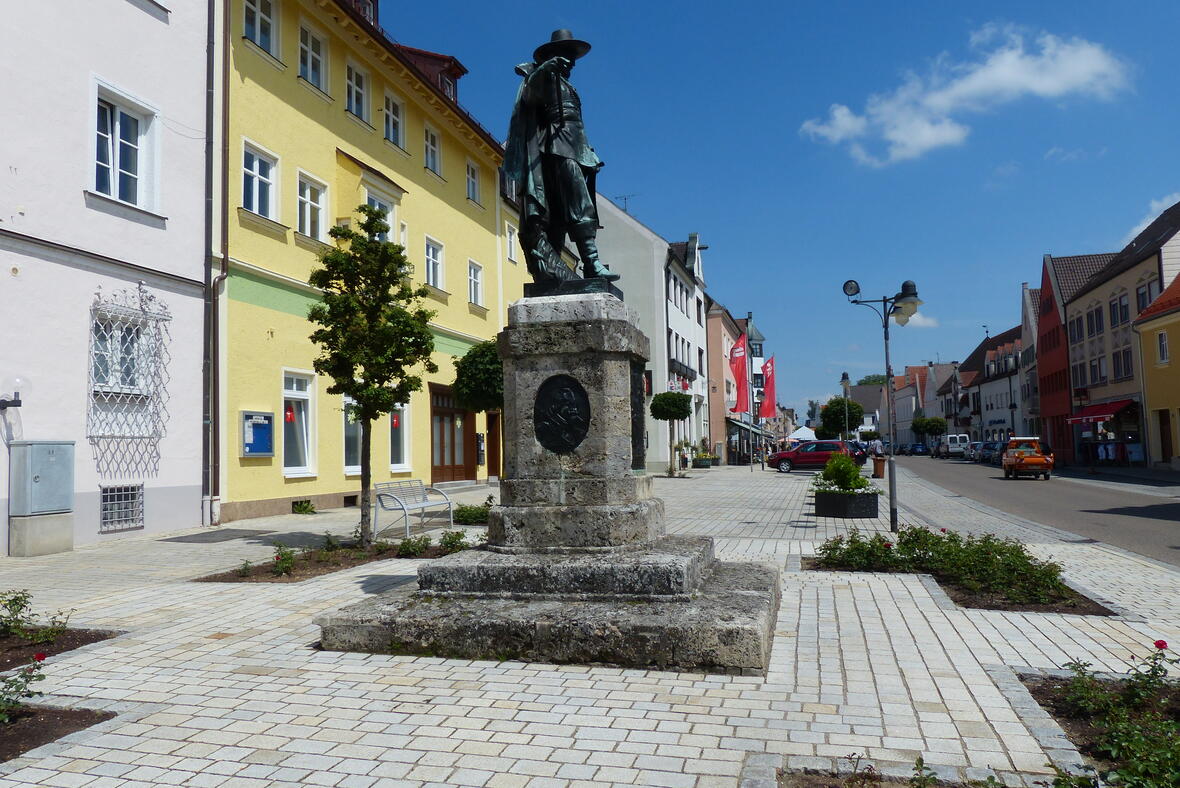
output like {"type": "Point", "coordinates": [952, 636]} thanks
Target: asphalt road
{"type": "Point", "coordinates": [1144, 518]}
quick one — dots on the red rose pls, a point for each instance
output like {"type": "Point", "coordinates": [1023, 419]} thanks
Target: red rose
{"type": "Point", "coordinates": [1161, 644]}
{"type": "Point", "coordinates": [888, 545]}
{"type": "Point", "coordinates": [40, 655]}
{"type": "Point", "coordinates": [943, 530]}
{"type": "Point", "coordinates": [277, 558]}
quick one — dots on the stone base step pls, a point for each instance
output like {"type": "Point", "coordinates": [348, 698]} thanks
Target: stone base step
{"type": "Point", "coordinates": [727, 627]}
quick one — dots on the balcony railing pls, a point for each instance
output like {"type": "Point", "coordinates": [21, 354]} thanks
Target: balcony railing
{"type": "Point", "coordinates": [681, 369]}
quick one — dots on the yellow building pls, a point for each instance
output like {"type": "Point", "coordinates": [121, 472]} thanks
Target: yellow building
{"type": "Point", "coordinates": [325, 113]}
{"type": "Point", "coordinates": [1158, 328]}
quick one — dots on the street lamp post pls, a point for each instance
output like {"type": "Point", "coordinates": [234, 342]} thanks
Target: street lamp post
{"type": "Point", "coordinates": [845, 383]}
{"type": "Point", "coordinates": [901, 307]}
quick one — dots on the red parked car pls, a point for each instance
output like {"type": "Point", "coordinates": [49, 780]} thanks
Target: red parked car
{"type": "Point", "coordinates": [812, 454]}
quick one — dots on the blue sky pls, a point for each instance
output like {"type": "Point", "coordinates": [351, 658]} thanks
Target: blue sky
{"type": "Point", "coordinates": [808, 143]}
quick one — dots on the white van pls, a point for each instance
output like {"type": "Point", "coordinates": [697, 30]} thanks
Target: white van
{"type": "Point", "coordinates": [952, 446]}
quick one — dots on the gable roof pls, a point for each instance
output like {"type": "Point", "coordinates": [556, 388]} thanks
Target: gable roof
{"type": "Point", "coordinates": [974, 363]}
{"type": "Point", "coordinates": [1143, 246]}
{"type": "Point", "coordinates": [1070, 273]}
{"type": "Point", "coordinates": [868, 396]}
{"type": "Point", "coordinates": [1164, 303]}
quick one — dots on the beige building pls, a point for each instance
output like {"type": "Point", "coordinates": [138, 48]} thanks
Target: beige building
{"type": "Point", "coordinates": [1104, 357]}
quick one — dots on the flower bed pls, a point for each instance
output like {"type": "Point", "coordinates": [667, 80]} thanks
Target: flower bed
{"type": "Point", "coordinates": [862, 774]}
{"type": "Point", "coordinates": [288, 565]}
{"type": "Point", "coordinates": [32, 726]}
{"type": "Point", "coordinates": [1130, 727]}
{"type": "Point", "coordinates": [975, 571]}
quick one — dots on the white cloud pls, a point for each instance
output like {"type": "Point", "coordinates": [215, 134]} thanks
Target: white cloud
{"type": "Point", "coordinates": [1154, 209]}
{"type": "Point", "coordinates": [1063, 155]}
{"type": "Point", "coordinates": [919, 320]}
{"type": "Point", "coordinates": [924, 113]}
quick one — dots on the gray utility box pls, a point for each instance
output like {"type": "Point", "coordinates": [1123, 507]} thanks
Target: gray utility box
{"type": "Point", "coordinates": [41, 477]}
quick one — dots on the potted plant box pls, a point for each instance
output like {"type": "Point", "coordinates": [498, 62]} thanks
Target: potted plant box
{"type": "Point", "coordinates": [701, 461]}
{"type": "Point", "coordinates": [846, 504]}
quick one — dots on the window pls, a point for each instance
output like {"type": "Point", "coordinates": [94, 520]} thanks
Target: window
{"type": "Point", "coordinates": [700, 361]}
{"type": "Point", "coordinates": [1145, 294]}
{"type": "Point", "coordinates": [757, 380]}
{"type": "Point", "coordinates": [756, 349]}
{"type": "Point", "coordinates": [1079, 375]}
{"type": "Point", "coordinates": [118, 152]}
{"type": "Point", "coordinates": [393, 121]}
{"type": "Point", "coordinates": [311, 58]}
{"type": "Point", "coordinates": [352, 438]}
{"type": "Point", "coordinates": [311, 208]}
{"type": "Point", "coordinates": [434, 264]}
{"type": "Point", "coordinates": [700, 312]}
{"type": "Point", "coordinates": [355, 93]}
{"type": "Point", "coordinates": [1098, 320]}
{"type": "Point", "coordinates": [399, 447]}
{"type": "Point", "coordinates": [448, 86]}
{"type": "Point", "coordinates": [1090, 324]}
{"type": "Point", "coordinates": [120, 508]}
{"type": "Point", "coordinates": [474, 283]}
{"type": "Point", "coordinates": [1123, 367]}
{"type": "Point", "coordinates": [431, 155]}
{"type": "Point", "coordinates": [1102, 369]}
{"type": "Point", "coordinates": [1161, 346]}
{"type": "Point", "coordinates": [117, 355]}
{"type": "Point", "coordinates": [297, 434]}
{"type": "Point", "coordinates": [513, 243]}
{"type": "Point", "coordinates": [257, 182]}
{"type": "Point", "coordinates": [259, 24]}
{"type": "Point", "coordinates": [473, 182]}
{"type": "Point", "coordinates": [383, 204]}
{"type": "Point", "coordinates": [1124, 309]}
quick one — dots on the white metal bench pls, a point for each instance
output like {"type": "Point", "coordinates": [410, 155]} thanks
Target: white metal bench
{"type": "Point", "coordinates": [406, 496]}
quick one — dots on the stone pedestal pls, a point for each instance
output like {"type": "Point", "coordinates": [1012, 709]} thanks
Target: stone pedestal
{"type": "Point", "coordinates": [577, 568]}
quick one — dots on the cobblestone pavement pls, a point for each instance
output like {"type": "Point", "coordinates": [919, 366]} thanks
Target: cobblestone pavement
{"type": "Point", "coordinates": [220, 684]}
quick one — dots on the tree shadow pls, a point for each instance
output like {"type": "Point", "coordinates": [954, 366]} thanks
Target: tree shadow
{"type": "Point", "coordinates": [379, 584]}
{"type": "Point", "coordinates": [1155, 511]}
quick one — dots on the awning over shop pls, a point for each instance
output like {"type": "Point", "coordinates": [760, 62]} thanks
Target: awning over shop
{"type": "Point", "coordinates": [1103, 411]}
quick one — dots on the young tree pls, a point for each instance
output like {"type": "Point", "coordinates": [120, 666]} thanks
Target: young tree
{"type": "Point", "coordinates": [832, 415]}
{"type": "Point", "coordinates": [373, 332]}
{"type": "Point", "coordinates": [479, 378]}
{"type": "Point", "coordinates": [813, 408]}
{"type": "Point", "coordinates": [934, 426]}
{"type": "Point", "coordinates": [671, 406]}
{"type": "Point", "coordinates": [871, 380]}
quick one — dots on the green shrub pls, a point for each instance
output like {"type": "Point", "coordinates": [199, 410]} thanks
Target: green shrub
{"type": "Point", "coordinates": [471, 515]}
{"type": "Point", "coordinates": [17, 618]}
{"type": "Point", "coordinates": [841, 474]}
{"type": "Point", "coordinates": [453, 542]}
{"type": "Point", "coordinates": [284, 560]}
{"type": "Point", "coordinates": [16, 687]}
{"type": "Point", "coordinates": [330, 543]}
{"type": "Point", "coordinates": [413, 546]}
{"type": "Point", "coordinates": [245, 569]}
{"type": "Point", "coordinates": [302, 507]}
{"type": "Point", "coordinates": [977, 563]}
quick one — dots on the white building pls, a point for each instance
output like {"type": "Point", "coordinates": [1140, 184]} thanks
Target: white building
{"type": "Point", "coordinates": [103, 237]}
{"type": "Point", "coordinates": [665, 283]}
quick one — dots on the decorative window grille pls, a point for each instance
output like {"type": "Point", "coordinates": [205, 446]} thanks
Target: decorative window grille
{"type": "Point", "coordinates": [128, 382]}
{"type": "Point", "coordinates": [121, 508]}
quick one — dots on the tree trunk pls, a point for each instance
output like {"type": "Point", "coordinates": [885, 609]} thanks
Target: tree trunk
{"type": "Point", "coordinates": [672, 458]}
{"type": "Point", "coordinates": [366, 529]}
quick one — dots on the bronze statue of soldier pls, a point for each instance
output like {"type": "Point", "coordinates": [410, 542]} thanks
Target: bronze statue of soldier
{"type": "Point", "coordinates": [553, 165]}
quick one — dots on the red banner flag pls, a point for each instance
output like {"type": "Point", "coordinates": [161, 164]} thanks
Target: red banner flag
{"type": "Point", "coordinates": [737, 365]}
{"type": "Point", "coordinates": [767, 409]}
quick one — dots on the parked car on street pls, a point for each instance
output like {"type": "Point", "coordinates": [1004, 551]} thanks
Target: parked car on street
{"type": "Point", "coordinates": [1027, 456]}
{"type": "Point", "coordinates": [952, 446]}
{"type": "Point", "coordinates": [986, 451]}
{"type": "Point", "coordinates": [918, 448]}
{"type": "Point", "coordinates": [972, 450]}
{"type": "Point", "coordinates": [859, 451]}
{"type": "Point", "coordinates": [810, 454]}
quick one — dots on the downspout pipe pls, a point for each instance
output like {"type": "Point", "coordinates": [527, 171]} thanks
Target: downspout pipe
{"type": "Point", "coordinates": [207, 356]}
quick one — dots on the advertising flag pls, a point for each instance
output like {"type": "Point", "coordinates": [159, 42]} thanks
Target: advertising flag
{"type": "Point", "coordinates": [767, 409]}
{"type": "Point", "coordinates": [737, 365]}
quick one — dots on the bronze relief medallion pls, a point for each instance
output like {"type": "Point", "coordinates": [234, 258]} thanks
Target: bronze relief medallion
{"type": "Point", "coordinates": [561, 414]}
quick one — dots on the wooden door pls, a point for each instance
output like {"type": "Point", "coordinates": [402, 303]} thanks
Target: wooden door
{"type": "Point", "coordinates": [1165, 435]}
{"type": "Point", "coordinates": [493, 446]}
{"type": "Point", "coordinates": [452, 438]}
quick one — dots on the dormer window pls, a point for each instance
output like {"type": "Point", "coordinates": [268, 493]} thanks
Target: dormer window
{"type": "Point", "coordinates": [448, 86]}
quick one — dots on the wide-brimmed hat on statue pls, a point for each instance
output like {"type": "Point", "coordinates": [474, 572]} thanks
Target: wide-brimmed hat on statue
{"type": "Point", "coordinates": [562, 43]}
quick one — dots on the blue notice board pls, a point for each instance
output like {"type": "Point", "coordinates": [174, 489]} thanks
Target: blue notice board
{"type": "Point", "coordinates": [258, 433]}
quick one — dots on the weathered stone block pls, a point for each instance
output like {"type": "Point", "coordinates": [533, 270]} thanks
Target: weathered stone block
{"type": "Point", "coordinates": [670, 566]}
{"type": "Point", "coordinates": [612, 525]}
{"type": "Point", "coordinates": [575, 491]}
{"type": "Point", "coordinates": [726, 627]}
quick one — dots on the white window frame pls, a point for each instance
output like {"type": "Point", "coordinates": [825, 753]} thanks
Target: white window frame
{"type": "Point", "coordinates": [147, 145]}
{"type": "Point", "coordinates": [248, 146]}
{"type": "Point", "coordinates": [309, 467]}
{"type": "Point", "coordinates": [355, 89]}
{"type": "Point", "coordinates": [435, 266]}
{"type": "Point", "coordinates": [1161, 346]}
{"type": "Point", "coordinates": [382, 198]}
{"type": "Point", "coordinates": [126, 356]}
{"type": "Point", "coordinates": [305, 206]}
{"type": "Point", "coordinates": [432, 150]}
{"type": "Point", "coordinates": [272, 20]}
{"type": "Point", "coordinates": [305, 52]}
{"type": "Point", "coordinates": [403, 234]}
{"type": "Point", "coordinates": [393, 100]}
{"type": "Point", "coordinates": [474, 283]}
{"type": "Point", "coordinates": [349, 470]}
{"type": "Point", "coordinates": [403, 412]}
{"type": "Point", "coordinates": [512, 236]}
{"type": "Point", "coordinates": [473, 182]}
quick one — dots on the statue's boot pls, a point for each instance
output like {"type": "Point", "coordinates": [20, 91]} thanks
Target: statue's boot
{"type": "Point", "coordinates": [592, 267]}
